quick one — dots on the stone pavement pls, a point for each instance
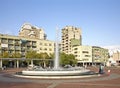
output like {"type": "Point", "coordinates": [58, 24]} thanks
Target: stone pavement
{"type": "Point", "coordinates": [7, 80]}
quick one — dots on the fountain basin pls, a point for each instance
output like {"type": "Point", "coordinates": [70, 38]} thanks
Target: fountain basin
{"type": "Point", "coordinates": [66, 71]}
{"type": "Point", "coordinates": [55, 72]}
{"type": "Point", "coordinates": [52, 73]}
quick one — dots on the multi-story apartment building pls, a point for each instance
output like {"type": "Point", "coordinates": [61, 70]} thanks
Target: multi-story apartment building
{"type": "Point", "coordinates": [30, 38]}
{"type": "Point", "coordinates": [83, 54]}
{"type": "Point", "coordinates": [45, 46]}
{"type": "Point", "coordinates": [34, 38]}
{"type": "Point", "coordinates": [14, 44]}
{"type": "Point", "coordinates": [116, 56]}
{"type": "Point", "coordinates": [29, 31]}
{"type": "Point", "coordinates": [99, 55]}
{"type": "Point", "coordinates": [71, 36]}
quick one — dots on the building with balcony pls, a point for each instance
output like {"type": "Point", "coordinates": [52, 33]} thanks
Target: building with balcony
{"type": "Point", "coordinates": [15, 44]}
{"type": "Point", "coordinates": [83, 54]}
{"type": "Point", "coordinates": [33, 38]}
{"type": "Point", "coordinates": [99, 55]}
{"type": "Point", "coordinates": [45, 46]}
{"type": "Point", "coordinates": [71, 36]}
{"type": "Point", "coordinates": [29, 31]}
{"type": "Point", "coordinates": [116, 56]}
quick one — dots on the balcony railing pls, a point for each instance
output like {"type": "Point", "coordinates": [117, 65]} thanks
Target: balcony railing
{"type": "Point", "coordinates": [11, 48]}
{"type": "Point", "coordinates": [17, 43]}
{"type": "Point", "coordinates": [17, 48]}
{"type": "Point", "coordinates": [10, 42]}
{"type": "Point", "coordinates": [33, 44]}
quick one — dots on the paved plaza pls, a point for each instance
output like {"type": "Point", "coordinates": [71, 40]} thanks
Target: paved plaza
{"type": "Point", "coordinates": [112, 80]}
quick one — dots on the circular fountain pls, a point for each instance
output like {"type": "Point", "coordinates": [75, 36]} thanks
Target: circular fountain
{"type": "Point", "coordinates": [66, 72]}
{"type": "Point", "coordinates": [56, 72]}
{"type": "Point", "coordinates": [69, 71]}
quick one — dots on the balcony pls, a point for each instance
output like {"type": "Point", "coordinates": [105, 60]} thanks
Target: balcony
{"type": "Point", "coordinates": [10, 42]}
{"type": "Point", "coordinates": [4, 48]}
{"type": "Point", "coordinates": [29, 44]}
{"type": "Point", "coordinates": [11, 48]}
{"type": "Point", "coordinates": [17, 48]}
{"type": "Point", "coordinates": [23, 48]}
{"type": "Point", "coordinates": [33, 44]}
{"type": "Point", "coordinates": [28, 48]}
{"type": "Point", "coordinates": [4, 41]}
{"type": "Point", "coordinates": [17, 43]}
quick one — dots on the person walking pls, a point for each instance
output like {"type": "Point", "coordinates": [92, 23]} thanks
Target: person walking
{"type": "Point", "coordinates": [101, 69]}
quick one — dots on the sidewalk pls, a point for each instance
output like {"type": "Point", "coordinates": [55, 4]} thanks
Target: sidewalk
{"type": "Point", "coordinates": [112, 81]}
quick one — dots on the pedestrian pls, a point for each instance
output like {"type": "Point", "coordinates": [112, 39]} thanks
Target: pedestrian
{"type": "Point", "coordinates": [108, 72]}
{"type": "Point", "coordinates": [101, 69]}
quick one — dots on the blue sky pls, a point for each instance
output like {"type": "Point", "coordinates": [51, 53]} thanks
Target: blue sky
{"type": "Point", "coordinates": [98, 19]}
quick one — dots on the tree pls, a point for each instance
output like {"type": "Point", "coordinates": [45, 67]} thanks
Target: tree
{"type": "Point", "coordinates": [67, 59]}
{"type": "Point", "coordinates": [30, 55]}
{"type": "Point", "coordinates": [72, 60]}
{"type": "Point", "coordinates": [51, 56]}
{"type": "Point", "coordinates": [5, 55]}
{"type": "Point", "coordinates": [37, 56]}
{"type": "Point", "coordinates": [63, 59]}
{"type": "Point", "coordinates": [16, 55]}
{"type": "Point", "coordinates": [44, 57]}
{"type": "Point", "coordinates": [1, 55]}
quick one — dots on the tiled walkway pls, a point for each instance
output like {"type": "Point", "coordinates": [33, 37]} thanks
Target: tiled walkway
{"type": "Point", "coordinates": [105, 81]}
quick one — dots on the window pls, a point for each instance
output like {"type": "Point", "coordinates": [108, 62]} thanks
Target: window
{"type": "Point", "coordinates": [50, 49]}
{"type": "Point", "coordinates": [50, 44]}
{"type": "Point", "coordinates": [40, 43]}
{"type": "Point", "coordinates": [85, 52]}
{"type": "Point", "coordinates": [45, 48]}
{"type": "Point", "coordinates": [75, 48]}
{"type": "Point", "coordinates": [45, 44]}
{"type": "Point", "coordinates": [75, 52]}
{"type": "Point", "coordinates": [87, 55]}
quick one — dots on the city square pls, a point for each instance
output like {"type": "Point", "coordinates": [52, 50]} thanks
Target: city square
{"type": "Point", "coordinates": [107, 80]}
{"type": "Point", "coordinates": [59, 44]}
